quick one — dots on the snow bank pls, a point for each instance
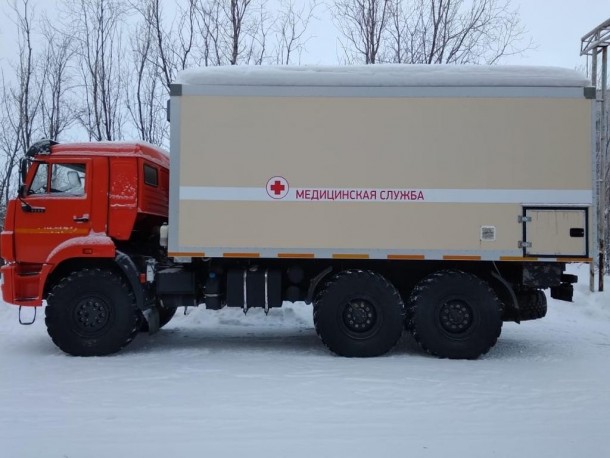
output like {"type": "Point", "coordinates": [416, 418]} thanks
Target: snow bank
{"type": "Point", "coordinates": [594, 305]}
{"type": "Point", "coordinates": [385, 76]}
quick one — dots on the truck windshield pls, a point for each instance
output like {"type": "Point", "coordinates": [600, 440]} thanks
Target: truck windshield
{"type": "Point", "coordinates": [40, 181]}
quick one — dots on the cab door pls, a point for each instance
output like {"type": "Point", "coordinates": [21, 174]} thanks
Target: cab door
{"type": "Point", "coordinates": [57, 208]}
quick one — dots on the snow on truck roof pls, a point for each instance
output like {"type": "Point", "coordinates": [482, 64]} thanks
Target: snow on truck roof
{"type": "Point", "coordinates": [390, 75]}
{"type": "Point", "coordinates": [136, 148]}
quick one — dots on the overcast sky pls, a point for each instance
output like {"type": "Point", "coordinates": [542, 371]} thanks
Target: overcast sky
{"type": "Point", "coordinates": [556, 26]}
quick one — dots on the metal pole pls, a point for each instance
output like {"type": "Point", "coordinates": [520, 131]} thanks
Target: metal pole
{"type": "Point", "coordinates": [603, 166]}
{"type": "Point", "coordinates": [595, 158]}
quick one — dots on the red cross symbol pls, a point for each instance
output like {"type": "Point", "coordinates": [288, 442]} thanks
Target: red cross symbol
{"type": "Point", "coordinates": [277, 187]}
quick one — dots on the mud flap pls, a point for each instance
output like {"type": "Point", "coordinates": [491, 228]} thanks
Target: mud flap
{"type": "Point", "coordinates": [152, 318]}
{"type": "Point", "coordinates": [563, 292]}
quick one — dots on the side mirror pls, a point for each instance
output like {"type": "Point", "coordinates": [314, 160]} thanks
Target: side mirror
{"type": "Point", "coordinates": [23, 170]}
{"type": "Point", "coordinates": [22, 191]}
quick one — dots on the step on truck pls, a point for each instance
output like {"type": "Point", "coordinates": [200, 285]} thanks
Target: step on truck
{"type": "Point", "coordinates": [440, 200]}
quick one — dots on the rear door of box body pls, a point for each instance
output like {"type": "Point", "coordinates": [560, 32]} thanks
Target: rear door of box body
{"type": "Point", "coordinates": [556, 231]}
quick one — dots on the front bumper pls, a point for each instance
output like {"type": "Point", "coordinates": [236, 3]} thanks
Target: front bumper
{"type": "Point", "coordinates": [24, 284]}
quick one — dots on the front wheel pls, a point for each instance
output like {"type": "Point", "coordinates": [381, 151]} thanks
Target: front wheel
{"type": "Point", "coordinates": [91, 312]}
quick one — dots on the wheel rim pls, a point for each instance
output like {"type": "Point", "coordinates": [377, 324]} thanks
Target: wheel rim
{"type": "Point", "coordinates": [360, 317]}
{"type": "Point", "coordinates": [456, 317]}
{"type": "Point", "coordinates": [91, 315]}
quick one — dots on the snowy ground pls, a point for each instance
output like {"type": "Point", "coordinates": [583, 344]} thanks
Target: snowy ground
{"type": "Point", "coordinates": [220, 384]}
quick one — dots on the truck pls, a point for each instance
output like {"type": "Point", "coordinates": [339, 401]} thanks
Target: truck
{"type": "Point", "coordinates": [440, 200]}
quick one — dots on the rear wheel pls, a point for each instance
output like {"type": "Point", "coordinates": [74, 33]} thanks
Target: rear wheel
{"type": "Point", "coordinates": [533, 307]}
{"type": "Point", "coordinates": [359, 313]}
{"type": "Point", "coordinates": [454, 314]}
{"type": "Point", "coordinates": [91, 312]}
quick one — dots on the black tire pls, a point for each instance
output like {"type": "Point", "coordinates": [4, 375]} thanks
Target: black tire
{"type": "Point", "coordinates": [534, 308]}
{"type": "Point", "coordinates": [165, 316]}
{"type": "Point", "coordinates": [454, 314]}
{"type": "Point", "coordinates": [91, 312]}
{"type": "Point", "coordinates": [358, 314]}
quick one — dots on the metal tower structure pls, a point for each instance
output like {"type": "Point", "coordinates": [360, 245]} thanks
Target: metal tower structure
{"type": "Point", "coordinates": [593, 44]}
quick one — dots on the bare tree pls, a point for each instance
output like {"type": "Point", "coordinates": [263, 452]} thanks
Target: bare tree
{"type": "Point", "coordinates": [10, 144]}
{"type": "Point", "coordinates": [363, 23]}
{"type": "Point", "coordinates": [57, 111]}
{"type": "Point", "coordinates": [429, 31]}
{"type": "Point", "coordinates": [97, 30]}
{"type": "Point", "coordinates": [235, 11]}
{"type": "Point", "coordinates": [146, 90]}
{"type": "Point", "coordinates": [77, 75]}
{"type": "Point", "coordinates": [238, 30]}
{"type": "Point", "coordinates": [20, 104]}
{"type": "Point", "coordinates": [454, 32]}
{"type": "Point", "coordinates": [263, 26]}
{"type": "Point", "coordinates": [28, 95]}
{"type": "Point", "coordinates": [202, 33]}
{"type": "Point", "coordinates": [291, 26]}
{"type": "Point", "coordinates": [174, 39]}
{"type": "Point", "coordinates": [210, 24]}
{"type": "Point", "coordinates": [207, 33]}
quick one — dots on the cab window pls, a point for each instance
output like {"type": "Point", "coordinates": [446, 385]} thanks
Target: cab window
{"type": "Point", "coordinates": [65, 178]}
{"type": "Point", "coordinates": [151, 175]}
{"type": "Point", "coordinates": [68, 178]}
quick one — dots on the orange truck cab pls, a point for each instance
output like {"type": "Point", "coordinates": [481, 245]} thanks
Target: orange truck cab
{"type": "Point", "coordinates": [93, 204]}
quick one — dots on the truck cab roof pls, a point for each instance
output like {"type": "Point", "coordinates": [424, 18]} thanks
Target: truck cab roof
{"type": "Point", "coordinates": [138, 149]}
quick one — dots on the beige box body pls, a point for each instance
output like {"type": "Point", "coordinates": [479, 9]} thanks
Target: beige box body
{"type": "Point", "coordinates": [490, 172]}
